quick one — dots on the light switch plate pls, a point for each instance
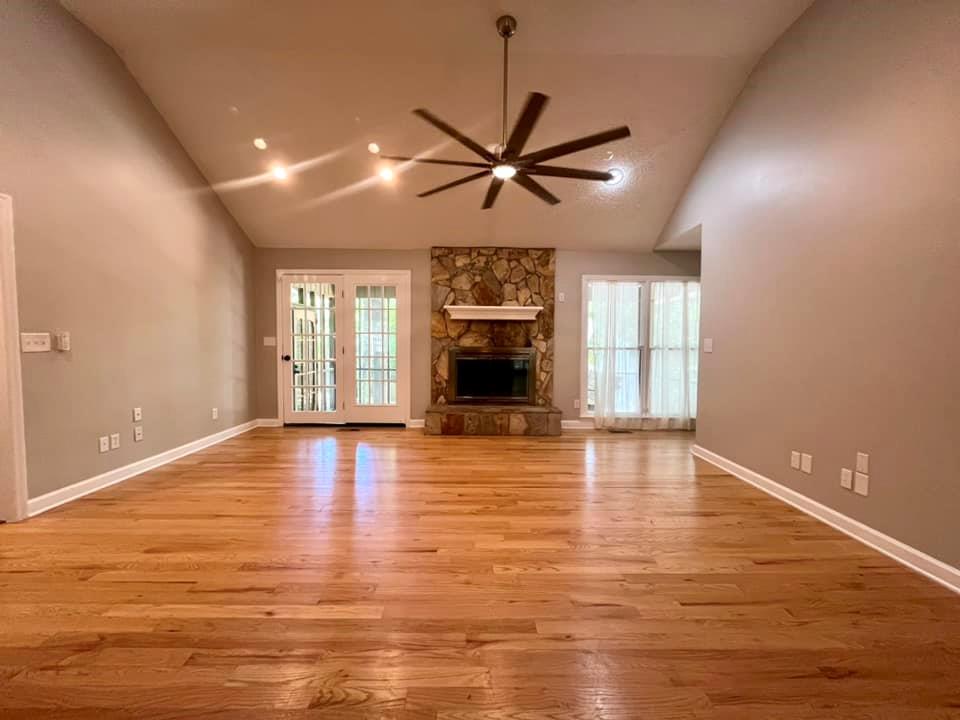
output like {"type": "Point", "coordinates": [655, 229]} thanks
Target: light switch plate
{"type": "Point", "coordinates": [215, 413]}
{"type": "Point", "coordinates": [863, 463]}
{"type": "Point", "coordinates": [576, 403]}
{"type": "Point", "coordinates": [104, 444]}
{"type": "Point", "coordinates": [35, 342]}
{"type": "Point", "coordinates": [806, 463]}
{"type": "Point", "coordinates": [62, 340]}
{"type": "Point", "coordinates": [114, 441]}
{"type": "Point", "coordinates": [138, 433]}
{"type": "Point", "coordinates": [561, 297]}
{"type": "Point", "coordinates": [795, 460]}
{"type": "Point", "coordinates": [708, 345]}
{"type": "Point", "coordinates": [861, 484]}
{"type": "Point", "coordinates": [137, 414]}
{"type": "Point", "coordinates": [846, 478]}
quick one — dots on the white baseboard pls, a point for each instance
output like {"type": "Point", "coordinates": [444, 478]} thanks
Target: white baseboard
{"type": "Point", "coordinates": [936, 570]}
{"type": "Point", "coordinates": [577, 424]}
{"type": "Point", "coordinates": [415, 423]}
{"type": "Point", "coordinates": [269, 422]}
{"type": "Point", "coordinates": [37, 505]}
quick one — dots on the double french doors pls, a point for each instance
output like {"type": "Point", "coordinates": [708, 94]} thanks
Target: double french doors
{"type": "Point", "coordinates": [345, 347]}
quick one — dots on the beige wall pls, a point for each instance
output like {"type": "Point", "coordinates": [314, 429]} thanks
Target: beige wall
{"type": "Point", "coordinates": [829, 208]}
{"type": "Point", "coordinates": [571, 267]}
{"type": "Point", "coordinates": [269, 260]}
{"type": "Point", "coordinates": [121, 242]}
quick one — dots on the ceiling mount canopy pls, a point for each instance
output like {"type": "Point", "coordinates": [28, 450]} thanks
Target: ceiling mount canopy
{"type": "Point", "coordinates": [508, 161]}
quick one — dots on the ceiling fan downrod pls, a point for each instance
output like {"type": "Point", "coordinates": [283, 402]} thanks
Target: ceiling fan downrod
{"type": "Point", "coordinates": [507, 28]}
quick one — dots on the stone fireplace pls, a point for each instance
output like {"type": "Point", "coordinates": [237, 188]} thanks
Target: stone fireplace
{"type": "Point", "coordinates": [492, 318]}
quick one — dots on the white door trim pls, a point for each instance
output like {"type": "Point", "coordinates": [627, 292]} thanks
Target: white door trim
{"type": "Point", "coordinates": [13, 447]}
{"type": "Point", "coordinates": [404, 343]}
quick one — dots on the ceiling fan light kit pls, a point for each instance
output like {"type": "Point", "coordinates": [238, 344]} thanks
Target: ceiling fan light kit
{"type": "Point", "coordinates": [508, 161]}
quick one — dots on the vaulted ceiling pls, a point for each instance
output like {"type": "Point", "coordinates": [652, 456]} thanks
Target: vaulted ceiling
{"type": "Point", "coordinates": [319, 80]}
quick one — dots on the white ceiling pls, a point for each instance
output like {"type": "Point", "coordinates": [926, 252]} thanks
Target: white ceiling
{"type": "Point", "coordinates": [321, 79]}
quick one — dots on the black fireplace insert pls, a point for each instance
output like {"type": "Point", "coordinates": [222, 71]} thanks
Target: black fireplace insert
{"type": "Point", "coordinates": [492, 375]}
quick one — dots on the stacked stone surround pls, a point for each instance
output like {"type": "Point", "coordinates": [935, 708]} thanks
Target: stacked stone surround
{"type": "Point", "coordinates": [492, 276]}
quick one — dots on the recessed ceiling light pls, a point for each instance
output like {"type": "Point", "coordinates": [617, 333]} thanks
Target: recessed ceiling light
{"type": "Point", "coordinates": [280, 173]}
{"type": "Point", "coordinates": [260, 143]}
{"type": "Point", "coordinates": [386, 174]}
{"type": "Point", "coordinates": [616, 176]}
{"type": "Point", "coordinates": [374, 148]}
{"type": "Point", "coordinates": [504, 172]}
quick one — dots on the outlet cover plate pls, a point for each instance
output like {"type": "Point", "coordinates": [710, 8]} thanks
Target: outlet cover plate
{"type": "Point", "coordinates": [861, 484]}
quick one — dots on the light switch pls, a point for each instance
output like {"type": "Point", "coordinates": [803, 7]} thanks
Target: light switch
{"type": "Point", "coordinates": [846, 478]}
{"type": "Point", "coordinates": [861, 484]}
{"type": "Point", "coordinates": [114, 441]}
{"type": "Point", "coordinates": [104, 444]}
{"type": "Point", "coordinates": [561, 297]}
{"type": "Point", "coordinates": [215, 413]}
{"type": "Point", "coordinates": [806, 463]}
{"type": "Point", "coordinates": [863, 463]}
{"type": "Point", "coordinates": [795, 460]}
{"type": "Point", "coordinates": [62, 340]}
{"type": "Point", "coordinates": [35, 342]}
{"type": "Point", "coordinates": [708, 345]}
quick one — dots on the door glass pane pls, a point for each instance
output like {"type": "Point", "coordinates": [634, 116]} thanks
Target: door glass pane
{"type": "Point", "coordinates": [375, 314]}
{"type": "Point", "coordinates": [313, 346]}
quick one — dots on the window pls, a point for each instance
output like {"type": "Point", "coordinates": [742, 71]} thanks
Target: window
{"type": "Point", "coordinates": [640, 353]}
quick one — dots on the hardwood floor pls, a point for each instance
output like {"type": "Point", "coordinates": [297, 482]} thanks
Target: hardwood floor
{"type": "Point", "coordinates": [309, 573]}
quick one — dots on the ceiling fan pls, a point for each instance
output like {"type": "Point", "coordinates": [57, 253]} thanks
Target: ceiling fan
{"type": "Point", "coordinates": [508, 162]}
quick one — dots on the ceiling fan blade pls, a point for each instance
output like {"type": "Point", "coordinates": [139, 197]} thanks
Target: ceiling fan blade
{"type": "Point", "coordinates": [492, 193]}
{"type": "Point", "coordinates": [536, 102]}
{"type": "Point", "coordinates": [536, 188]}
{"type": "Point", "coordinates": [461, 181]}
{"type": "Point", "coordinates": [575, 145]}
{"type": "Point", "coordinates": [455, 134]}
{"type": "Point", "coordinates": [565, 172]}
{"type": "Point", "coordinates": [432, 161]}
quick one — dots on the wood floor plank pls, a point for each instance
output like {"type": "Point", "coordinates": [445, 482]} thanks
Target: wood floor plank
{"type": "Point", "coordinates": [306, 574]}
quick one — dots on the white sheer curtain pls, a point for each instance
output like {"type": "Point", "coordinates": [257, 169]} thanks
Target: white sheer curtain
{"type": "Point", "coordinates": [643, 353]}
{"type": "Point", "coordinates": [674, 354]}
{"type": "Point", "coordinates": [614, 353]}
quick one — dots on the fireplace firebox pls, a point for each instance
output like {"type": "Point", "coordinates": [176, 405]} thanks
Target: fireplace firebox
{"type": "Point", "coordinates": [492, 375]}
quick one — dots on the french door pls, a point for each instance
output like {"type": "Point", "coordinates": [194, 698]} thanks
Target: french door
{"type": "Point", "coordinates": [345, 347]}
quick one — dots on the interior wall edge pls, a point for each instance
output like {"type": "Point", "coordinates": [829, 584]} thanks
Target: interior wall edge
{"type": "Point", "coordinates": [917, 560]}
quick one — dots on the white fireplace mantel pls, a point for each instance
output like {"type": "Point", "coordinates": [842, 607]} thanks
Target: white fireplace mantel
{"type": "Point", "coordinates": [493, 312]}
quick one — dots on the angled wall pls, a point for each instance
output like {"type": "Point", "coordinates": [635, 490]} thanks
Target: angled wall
{"type": "Point", "coordinates": [120, 241]}
{"type": "Point", "coordinates": [829, 208]}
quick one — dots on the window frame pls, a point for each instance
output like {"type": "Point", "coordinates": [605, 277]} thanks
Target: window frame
{"type": "Point", "coordinates": [644, 281]}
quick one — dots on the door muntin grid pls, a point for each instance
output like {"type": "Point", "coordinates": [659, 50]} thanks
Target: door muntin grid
{"type": "Point", "coordinates": [313, 331]}
{"type": "Point", "coordinates": [375, 337]}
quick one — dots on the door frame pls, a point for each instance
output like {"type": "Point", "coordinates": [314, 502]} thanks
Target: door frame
{"type": "Point", "coordinates": [13, 446]}
{"type": "Point", "coordinates": [403, 340]}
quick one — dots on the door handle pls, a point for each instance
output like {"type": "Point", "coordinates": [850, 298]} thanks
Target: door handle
{"type": "Point", "coordinates": [286, 358]}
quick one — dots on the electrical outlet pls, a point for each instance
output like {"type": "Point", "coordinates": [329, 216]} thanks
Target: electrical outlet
{"type": "Point", "coordinates": [846, 478]}
{"type": "Point", "coordinates": [104, 444]}
{"type": "Point", "coordinates": [215, 413]}
{"type": "Point", "coordinates": [114, 441]}
{"type": "Point", "coordinates": [806, 463]}
{"type": "Point", "coordinates": [561, 297]}
{"type": "Point", "coordinates": [35, 342]}
{"type": "Point", "coordinates": [795, 460]}
{"type": "Point", "coordinates": [137, 414]}
{"type": "Point", "coordinates": [861, 484]}
{"type": "Point", "coordinates": [138, 433]}
{"type": "Point", "coordinates": [863, 463]}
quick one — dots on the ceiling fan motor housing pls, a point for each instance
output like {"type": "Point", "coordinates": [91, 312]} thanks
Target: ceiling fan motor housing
{"type": "Point", "coordinates": [506, 26]}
